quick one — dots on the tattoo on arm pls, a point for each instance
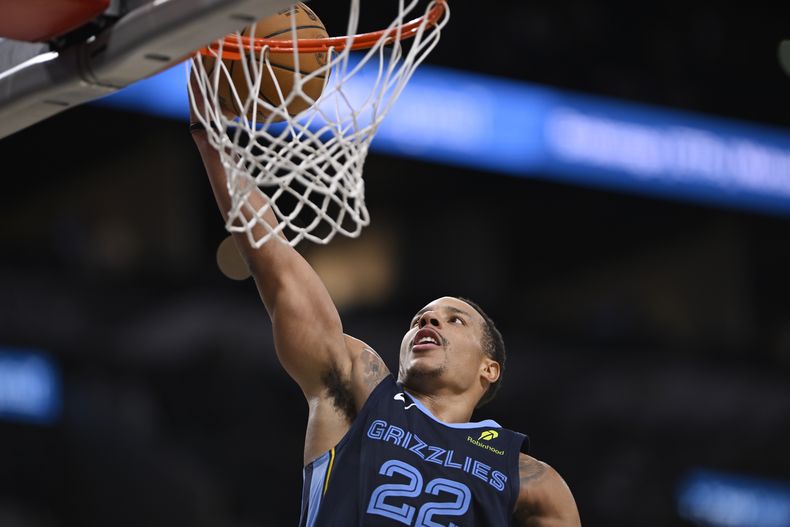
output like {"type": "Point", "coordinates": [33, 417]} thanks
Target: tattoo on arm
{"type": "Point", "coordinates": [339, 388]}
{"type": "Point", "coordinates": [374, 369]}
{"type": "Point", "coordinates": [530, 470]}
{"type": "Point", "coordinates": [544, 498]}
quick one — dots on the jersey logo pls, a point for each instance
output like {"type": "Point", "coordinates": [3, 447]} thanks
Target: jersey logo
{"type": "Point", "coordinates": [401, 398]}
{"type": "Point", "coordinates": [488, 435]}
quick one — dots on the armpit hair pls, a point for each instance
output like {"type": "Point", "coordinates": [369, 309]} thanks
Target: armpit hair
{"type": "Point", "coordinates": [339, 389]}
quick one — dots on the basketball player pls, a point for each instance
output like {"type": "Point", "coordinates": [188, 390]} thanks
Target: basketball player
{"type": "Point", "coordinates": [385, 452]}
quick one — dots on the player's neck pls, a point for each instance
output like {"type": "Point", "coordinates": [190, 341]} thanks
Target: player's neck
{"type": "Point", "coordinates": [447, 407]}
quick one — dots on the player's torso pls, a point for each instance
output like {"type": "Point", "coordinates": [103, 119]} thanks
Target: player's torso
{"type": "Point", "coordinates": [399, 466]}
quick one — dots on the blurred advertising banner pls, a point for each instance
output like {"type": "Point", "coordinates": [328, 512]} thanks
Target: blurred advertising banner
{"type": "Point", "coordinates": [30, 387]}
{"type": "Point", "coordinates": [716, 499]}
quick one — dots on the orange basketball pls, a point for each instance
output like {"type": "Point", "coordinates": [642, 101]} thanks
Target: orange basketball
{"type": "Point", "coordinates": [279, 27]}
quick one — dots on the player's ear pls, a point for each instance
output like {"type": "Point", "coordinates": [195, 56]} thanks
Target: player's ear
{"type": "Point", "coordinates": [490, 370]}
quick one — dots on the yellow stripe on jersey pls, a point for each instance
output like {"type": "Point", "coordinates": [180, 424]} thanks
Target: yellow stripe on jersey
{"type": "Point", "coordinates": [329, 470]}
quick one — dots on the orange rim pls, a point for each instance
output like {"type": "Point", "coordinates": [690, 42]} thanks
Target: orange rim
{"type": "Point", "coordinates": [231, 49]}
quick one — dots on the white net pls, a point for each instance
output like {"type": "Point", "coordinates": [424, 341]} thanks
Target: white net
{"type": "Point", "coordinates": [309, 164]}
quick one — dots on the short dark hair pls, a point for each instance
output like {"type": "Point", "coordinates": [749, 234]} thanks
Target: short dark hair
{"type": "Point", "coordinates": [494, 347]}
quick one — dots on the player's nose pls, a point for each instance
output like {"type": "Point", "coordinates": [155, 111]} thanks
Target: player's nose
{"type": "Point", "coordinates": [429, 317]}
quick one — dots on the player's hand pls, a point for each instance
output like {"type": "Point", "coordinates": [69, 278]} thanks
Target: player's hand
{"type": "Point", "coordinates": [199, 105]}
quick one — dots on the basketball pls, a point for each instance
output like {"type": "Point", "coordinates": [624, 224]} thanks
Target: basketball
{"type": "Point", "coordinates": [278, 26]}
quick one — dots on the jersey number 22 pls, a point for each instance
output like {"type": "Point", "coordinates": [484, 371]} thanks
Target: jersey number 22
{"type": "Point", "coordinates": [404, 513]}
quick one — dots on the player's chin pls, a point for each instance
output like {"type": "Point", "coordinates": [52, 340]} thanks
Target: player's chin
{"type": "Point", "coordinates": [424, 368]}
{"type": "Point", "coordinates": [422, 360]}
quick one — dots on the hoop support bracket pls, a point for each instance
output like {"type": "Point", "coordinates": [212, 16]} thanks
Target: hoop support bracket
{"type": "Point", "coordinates": [147, 40]}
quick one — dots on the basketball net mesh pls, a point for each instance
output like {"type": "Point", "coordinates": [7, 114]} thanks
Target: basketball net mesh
{"type": "Point", "coordinates": [309, 165]}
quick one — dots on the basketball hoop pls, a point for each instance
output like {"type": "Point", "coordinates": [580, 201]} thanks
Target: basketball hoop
{"type": "Point", "coordinates": [309, 164]}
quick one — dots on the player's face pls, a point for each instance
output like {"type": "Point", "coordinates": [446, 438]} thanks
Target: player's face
{"type": "Point", "coordinates": [444, 347]}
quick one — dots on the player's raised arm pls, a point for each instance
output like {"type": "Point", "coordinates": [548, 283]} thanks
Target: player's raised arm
{"type": "Point", "coordinates": [544, 498]}
{"type": "Point", "coordinates": [307, 329]}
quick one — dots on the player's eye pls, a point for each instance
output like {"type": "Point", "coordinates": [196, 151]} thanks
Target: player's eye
{"type": "Point", "coordinates": [457, 320]}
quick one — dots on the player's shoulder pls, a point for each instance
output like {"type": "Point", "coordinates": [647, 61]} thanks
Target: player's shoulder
{"type": "Point", "coordinates": [532, 471]}
{"type": "Point", "coordinates": [367, 369]}
{"type": "Point", "coordinates": [544, 493]}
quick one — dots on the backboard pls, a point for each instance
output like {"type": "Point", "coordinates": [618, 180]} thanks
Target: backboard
{"type": "Point", "coordinates": [100, 54]}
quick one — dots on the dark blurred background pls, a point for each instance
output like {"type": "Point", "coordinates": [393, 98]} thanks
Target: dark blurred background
{"type": "Point", "coordinates": [648, 340]}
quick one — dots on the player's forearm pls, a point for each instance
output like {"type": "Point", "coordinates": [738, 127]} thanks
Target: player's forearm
{"type": "Point", "coordinates": [277, 267]}
{"type": "Point", "coordinates": [218, 179]}
{"type": "Point", "coordinates": [306, 324]}
{"type": "Point", "coordinates": [269, 264]}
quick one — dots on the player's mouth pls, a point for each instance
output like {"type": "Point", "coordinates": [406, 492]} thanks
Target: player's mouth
{"type": "Point", "coordinates": [427, 339]}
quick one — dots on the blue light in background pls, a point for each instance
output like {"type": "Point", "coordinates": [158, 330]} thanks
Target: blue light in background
{"type": "Point", "coordinates": [163, 95]}
{"type": "Point", "coordinates": [469, 120]}
{"type": "Point", "coordinates": [29, 387]}
{"type": "Point", "coordinates": [517, 128]}
{"type": "Point", "coordinates": [715, 499]}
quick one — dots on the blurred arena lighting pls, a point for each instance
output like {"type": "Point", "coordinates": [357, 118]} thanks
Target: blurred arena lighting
{"type": "Point", "coordinates": [784, 55]}
{"type": "Point", "coordinates": [358, 272]}
{"type": "Point", "coordinates": [230, 261]}
{"type": "Point", "coordinates": [29, 387]}
{"type": "Point", "coordinates": [716, 499]}
{"type": "Point", "coordinates": [517, 128]}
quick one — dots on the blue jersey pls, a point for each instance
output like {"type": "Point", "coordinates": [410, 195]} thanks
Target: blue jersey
{"type": "Point", "coordinates": [399, 465]}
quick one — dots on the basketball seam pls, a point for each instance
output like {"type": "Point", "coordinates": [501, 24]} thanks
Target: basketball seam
{"type": "Point", "coordinates": [265, 98]}
{"type": "Point", "coordinates": [298, 28]}
{"type": "Point", "coordinates": [293, 70]}
{"type": "Point", "coordinates": [274, 65]}
{"type": "Point", "coordinates": [248, 59]}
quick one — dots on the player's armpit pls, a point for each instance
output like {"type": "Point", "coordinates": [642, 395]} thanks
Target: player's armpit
{"type": "Point", "coordinates": [544, 498]}
{"type": "Point", "coordinates": [333, 411]}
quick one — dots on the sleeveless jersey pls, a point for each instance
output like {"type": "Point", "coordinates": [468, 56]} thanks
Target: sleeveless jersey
{"type": "Point", "coordinates": [399, 465]}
